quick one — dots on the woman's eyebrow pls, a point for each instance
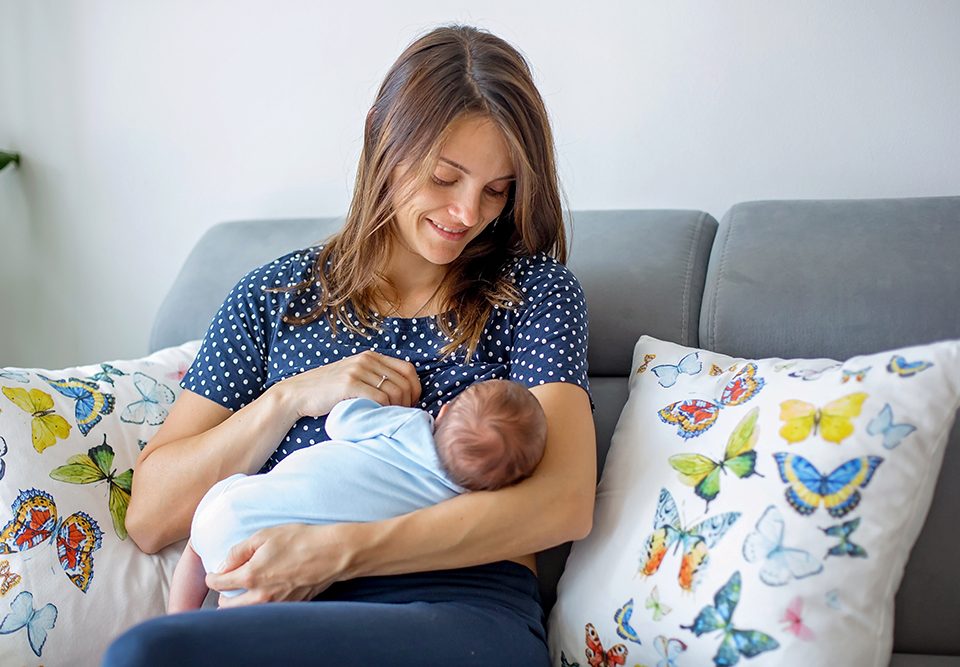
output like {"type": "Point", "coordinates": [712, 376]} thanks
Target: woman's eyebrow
{"type": "Point", "coordinates": [467, 171]}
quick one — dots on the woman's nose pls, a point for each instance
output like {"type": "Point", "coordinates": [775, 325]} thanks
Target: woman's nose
{"type": "Point", "coordinates": [466, 208]}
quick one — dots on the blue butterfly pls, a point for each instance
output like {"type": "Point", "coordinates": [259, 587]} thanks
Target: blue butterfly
{"type": "Point", "coordinates": [622, 619]}
{"type": "Point", "coordinates": [833, 599]}
{"type": "Point", "coordinates": [667, 374]}
{"type": "Point", "coordinates": [846, 547]}
{"type": "Point", "coordinates": [904, 368]}
{"type": "Point", "coordinates": [92, 403]}
{"type": "Point", "coordinates": [837, 491]}
{"type": "Point", "coordinates": [37, 621]}
{"type": "Point", "coordinates": [810, 374]}
{"type": "Point", "coordinates": [719, 616]}
{"type": "Point", "coordinates": [669, 650]}
{"type": "Point", "coordinates": [780, 563]}
{"type": "Point", "coordinates": [13, 374]}
{"type": "Point", "coordinates": [106, 370]}
{"type": "Point", "coordinates": [149, 408]}
{"type": "Point", "coordinates": [859, 375]}
{"type": "Point", "coordinates": [893, 434]}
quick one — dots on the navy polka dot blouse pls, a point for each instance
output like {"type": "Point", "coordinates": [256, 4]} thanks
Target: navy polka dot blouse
{"type": "Point", "coordinates": [248, 348]}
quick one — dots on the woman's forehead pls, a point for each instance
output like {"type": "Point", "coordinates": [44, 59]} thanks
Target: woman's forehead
{"type": "Point", "coordinates": [476, 146]}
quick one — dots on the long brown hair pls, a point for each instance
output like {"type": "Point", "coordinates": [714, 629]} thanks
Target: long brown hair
{"type": "Point", "coordinates": [447, 74]}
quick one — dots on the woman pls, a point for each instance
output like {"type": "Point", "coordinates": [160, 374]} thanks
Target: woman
{"type": "Point", "coordinates": [450, 265]}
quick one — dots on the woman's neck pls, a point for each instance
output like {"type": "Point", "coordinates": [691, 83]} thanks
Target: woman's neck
{"type": "Point", "coordinates": [413, 284]}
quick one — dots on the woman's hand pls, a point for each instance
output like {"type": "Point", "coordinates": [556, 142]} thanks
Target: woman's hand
{"type": "Point", "coordinates": [369, 374]}
{"type": "Point", "coordinates": [288, 563]}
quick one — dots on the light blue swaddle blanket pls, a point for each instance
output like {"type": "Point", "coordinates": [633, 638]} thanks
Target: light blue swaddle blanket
{"type": "Point", "coordinates": [380, 462]}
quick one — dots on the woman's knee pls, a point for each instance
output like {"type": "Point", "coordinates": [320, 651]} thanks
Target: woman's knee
{"type": "Point", "coordinates": [160, 641]}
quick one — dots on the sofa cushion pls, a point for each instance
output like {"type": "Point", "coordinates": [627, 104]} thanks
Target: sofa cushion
{"type": "Point", "coordinates": [70, 577]}
{"type": "Point", "coordinates": [752, 507]}
{"type": "Point", "coordinates": [834, 278]}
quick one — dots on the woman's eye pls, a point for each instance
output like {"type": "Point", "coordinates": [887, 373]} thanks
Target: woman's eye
{"type": "Point", "coordinates": [490, 191]}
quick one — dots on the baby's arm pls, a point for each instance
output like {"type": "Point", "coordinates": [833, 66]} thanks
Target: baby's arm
{"type": "Point", "coordinates": [188, 587]}
{"type": "Point", "coordinates": [360, 418]}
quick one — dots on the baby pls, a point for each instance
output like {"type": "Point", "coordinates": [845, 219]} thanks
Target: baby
{"type": "Point", "coordinates": [380, 462]}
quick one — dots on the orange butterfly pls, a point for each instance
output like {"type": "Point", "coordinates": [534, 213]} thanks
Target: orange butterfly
{"type": "Point", "coordinates": [647, 358]}
{"type": "Point", "coordinates": [8, 579]}
{"type": "Point", "coordinates": [597, 657]}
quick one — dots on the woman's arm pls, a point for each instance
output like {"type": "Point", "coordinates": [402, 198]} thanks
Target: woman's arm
{"type": "Point", "coordinates": [555, 504]}
{"type": "Point", "coordinates": [199, 444]}
{"type": "Point", "coordinates": [202, 442]}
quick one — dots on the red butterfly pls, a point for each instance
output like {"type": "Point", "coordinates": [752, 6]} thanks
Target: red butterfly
{"type": "Point", "coordinates": [597, 657]}
{"type": "Point", "coordinates": [35, 521]}
{"type": "Point", "coordinates": [793, 617]}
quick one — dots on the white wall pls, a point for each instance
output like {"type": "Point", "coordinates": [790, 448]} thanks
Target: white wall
{"type": "Point", "coordinates": [143, 123]}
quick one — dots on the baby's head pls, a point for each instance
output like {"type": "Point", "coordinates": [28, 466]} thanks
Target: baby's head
{"type": "Point", "coordinates": [492, 435]}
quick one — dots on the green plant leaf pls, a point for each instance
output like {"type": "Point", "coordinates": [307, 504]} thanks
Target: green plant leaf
{"type": "Point", "coordinates": [7, 158]}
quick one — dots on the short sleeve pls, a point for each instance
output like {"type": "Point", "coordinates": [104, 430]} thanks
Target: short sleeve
{"type": "Point", "coordinates": [358, 419]}
{"type": "Point", "coordinates": [550, 337]}
{"type": "Point", "coordinates": [231, 366]}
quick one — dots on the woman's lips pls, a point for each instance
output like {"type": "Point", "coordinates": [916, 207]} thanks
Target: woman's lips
{"type": "Point", "coordinates": [450, 236]}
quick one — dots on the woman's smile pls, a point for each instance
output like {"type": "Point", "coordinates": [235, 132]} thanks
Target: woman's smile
{"type": "Point", "coordinates": [448, 232]}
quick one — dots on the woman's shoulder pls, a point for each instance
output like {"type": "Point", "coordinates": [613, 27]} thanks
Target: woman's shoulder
{"type": "Point", "coordinates": [542, 273]}
{"type": "Point", "coordinates": [289, 269]}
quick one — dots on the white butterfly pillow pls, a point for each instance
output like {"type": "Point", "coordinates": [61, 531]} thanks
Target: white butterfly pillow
{"type": "Point", "coordinates": [757, 509]}
{"type": "Point", "coordinates": [70, 577]}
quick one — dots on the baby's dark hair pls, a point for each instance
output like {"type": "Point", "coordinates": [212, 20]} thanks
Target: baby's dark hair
{"type": "Point", "coordinates": [492, 435]}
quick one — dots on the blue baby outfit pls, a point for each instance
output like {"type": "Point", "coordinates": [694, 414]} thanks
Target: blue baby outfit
{"type": "Point", "coordinates": [248, 348]}
{"type": "Point", "coordinates": [381, 462]}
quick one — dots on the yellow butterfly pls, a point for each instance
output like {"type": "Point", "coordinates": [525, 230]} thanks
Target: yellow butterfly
{"type": "Point", "coordinates": [833, 420]}
{"type": "Point", "coordinates": [46, 425]}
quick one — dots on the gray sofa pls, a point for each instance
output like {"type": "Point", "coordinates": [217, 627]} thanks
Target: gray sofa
{"type": "Point", "coordinates": [814, 279]}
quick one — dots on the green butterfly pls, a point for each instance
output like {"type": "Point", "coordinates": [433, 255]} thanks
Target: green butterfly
{"type": "Point", "coordinates": [653, 602]}
{"type": "Point", "coordinates": [94, 467]}
{"type": "Point", "coordinates": [703, 473]}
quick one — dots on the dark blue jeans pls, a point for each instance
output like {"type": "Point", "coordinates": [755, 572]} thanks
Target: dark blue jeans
{"type": "Point", "coordinates": [485, 615]}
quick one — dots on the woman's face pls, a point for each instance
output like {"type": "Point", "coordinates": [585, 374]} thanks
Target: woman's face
{"type": "Point", "coordinates": [466, 191]}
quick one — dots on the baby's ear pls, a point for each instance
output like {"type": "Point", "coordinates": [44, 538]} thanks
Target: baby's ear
{"type": "Point", "coordinates": [443, 409]}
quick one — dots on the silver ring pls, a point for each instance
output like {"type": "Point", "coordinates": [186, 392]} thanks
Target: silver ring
{"type": "Point", "coordinates": [383, 378]}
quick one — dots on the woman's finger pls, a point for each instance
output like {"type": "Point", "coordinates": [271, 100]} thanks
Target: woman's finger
{"type": "Point", "coordinates": [239, 554]}
{"type": "Point", "coordinates": [394, 387]}
{"type": "Point", "coordinates": [403, 375]}
{"type": "Point", "coordinates": [227, 576]}
{"type": "Point", "coordinates": [242, 600]}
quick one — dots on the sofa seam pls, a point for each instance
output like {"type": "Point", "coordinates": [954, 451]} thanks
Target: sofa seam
{"type": "Point", "coordinates": [712, 343]}
{"type": "Point", "coordinates": [685, 297]}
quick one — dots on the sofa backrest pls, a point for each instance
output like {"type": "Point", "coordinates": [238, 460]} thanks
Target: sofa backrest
{"type": "Point", "coordinates": [641, 271]}
{"type": "Point", "coordinates": [785, 278]}
{"type": "Point", "coordinates": [840, 278]}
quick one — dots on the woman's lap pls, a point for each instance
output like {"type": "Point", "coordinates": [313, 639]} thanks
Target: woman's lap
{"type": "Point", "coordinates": [372, 621]}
